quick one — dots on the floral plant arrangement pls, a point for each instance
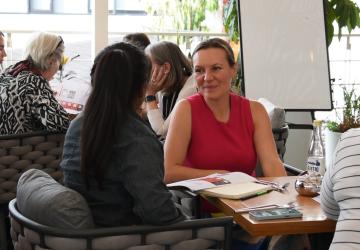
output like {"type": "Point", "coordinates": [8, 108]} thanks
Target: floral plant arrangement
{"type": "Point", "coordinates": [64, 60]}
{"type": "Point", "coordinates": [351, 113]}
{"type": "Point", "coordinates": [68, 75]}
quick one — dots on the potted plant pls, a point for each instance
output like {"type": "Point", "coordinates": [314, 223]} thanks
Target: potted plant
{"type": "Point", "coordinates": [350, 118]}
{"type": "Point", "coordinates": [351, 113]}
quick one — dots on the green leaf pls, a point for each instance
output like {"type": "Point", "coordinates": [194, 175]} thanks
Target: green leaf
{"type": "Point", "coordinates": [330, 33]}
{"type": "Point", "coordinates": [346, 15]}
{"type": "Point", "coordinates": [354, 16]}
{"type": "Point", "coordinates": [230, 20]}
{"type": "Point", "coordinates": [333, 126]}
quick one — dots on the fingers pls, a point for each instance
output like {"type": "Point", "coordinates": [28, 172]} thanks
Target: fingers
{"type": "Point", "coordinates": [154, 73]}
{"type": "Point", "coordinates": [162, 76]}
{"type": "Point", "coordinates": [158, 73]}
{"type": "Point", "coordinates": [158, 78]}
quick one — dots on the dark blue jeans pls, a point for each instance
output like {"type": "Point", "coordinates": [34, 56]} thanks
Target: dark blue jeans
{"type": "Point", "coordinates": [242, 245]}
{"type": "Point", "coordinates": [238, 244]}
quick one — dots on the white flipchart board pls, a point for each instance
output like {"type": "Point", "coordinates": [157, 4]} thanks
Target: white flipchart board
{"type": "Point", "coordinates": [284, 53]}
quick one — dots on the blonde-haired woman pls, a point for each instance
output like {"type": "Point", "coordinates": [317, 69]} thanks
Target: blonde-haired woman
{"type": "Point", "coordinates": [27, 102]}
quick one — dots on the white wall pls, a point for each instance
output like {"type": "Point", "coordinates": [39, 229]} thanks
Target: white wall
{"type": "Point", "coordinates": [298, 141]}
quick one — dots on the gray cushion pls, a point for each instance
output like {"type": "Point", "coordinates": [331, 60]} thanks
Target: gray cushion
{"type": "Point", "coordinates": [276, 114]}
{"type": "Point", "coordinates": [44, 200]}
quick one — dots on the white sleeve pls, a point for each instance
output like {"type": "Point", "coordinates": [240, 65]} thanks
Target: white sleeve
{"type": "Point", "coordinates": [157, 122]}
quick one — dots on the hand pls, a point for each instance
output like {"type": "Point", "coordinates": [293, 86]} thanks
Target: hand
{"type": "Point", "coordinates": [221, 171]}
{"type": "Point", "coordinates": [142, 112]}
{"type": "Point", "coordinates": [158, 79]}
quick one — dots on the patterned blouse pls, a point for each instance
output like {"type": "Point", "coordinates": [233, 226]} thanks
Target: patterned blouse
{"type": "Point", "coordinates": [28, 104]}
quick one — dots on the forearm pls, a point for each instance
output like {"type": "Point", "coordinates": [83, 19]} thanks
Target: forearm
{"type": "Point", "coordinates": [143, 178]}
{"type": "Point", "coordinates": [180, 172]}
{"type": "Point", "coordinates": [160, 212]}
{"type": "Point", "coordinates": [328, 202]}
{"type": "Point", "coordinates": [59, 121]}
{"type": "Point", "coordinates": [274, 168]}
{"type": "Point", "coordinates": [47, 110]}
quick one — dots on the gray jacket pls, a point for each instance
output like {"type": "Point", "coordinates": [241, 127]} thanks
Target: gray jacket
{"type": "Point", "coordinates": [133, 191]}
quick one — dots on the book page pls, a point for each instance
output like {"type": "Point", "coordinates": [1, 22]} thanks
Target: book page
{"type": "Point", "coordinates": [214, 180]}
{"type": "Point", "coordinates": [238, 190]}
{"type": "Point", "coordinates": [72, 94]}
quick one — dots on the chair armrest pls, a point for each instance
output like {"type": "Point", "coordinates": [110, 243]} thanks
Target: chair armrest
{"type": "Point", "coordinates": [291, 170]}
{"type": "Point", "coordinates": [189, 201]}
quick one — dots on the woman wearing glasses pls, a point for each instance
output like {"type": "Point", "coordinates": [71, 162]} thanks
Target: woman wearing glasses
{"type": "Point", "coordinates": [27, 102]}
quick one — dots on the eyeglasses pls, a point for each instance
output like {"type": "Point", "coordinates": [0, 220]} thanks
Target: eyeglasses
{"type": "Point", "coordinates": [58, 45]}
{"type": "Point", "coordinates": [60, 42]}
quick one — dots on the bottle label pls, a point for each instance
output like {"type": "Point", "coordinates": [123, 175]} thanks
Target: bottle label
{"type": "Point", "coordinates": [316, 164]}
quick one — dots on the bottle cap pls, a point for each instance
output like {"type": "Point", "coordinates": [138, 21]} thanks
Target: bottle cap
{"type": "Point", "coordinates": [317, 122]}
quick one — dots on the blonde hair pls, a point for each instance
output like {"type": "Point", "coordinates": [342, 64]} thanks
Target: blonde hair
{"type": "Point", "coordinates": [44, 47]}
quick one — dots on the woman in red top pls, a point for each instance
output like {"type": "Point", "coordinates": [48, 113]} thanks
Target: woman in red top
{"type": "Point", "coordinates": [216, 131]}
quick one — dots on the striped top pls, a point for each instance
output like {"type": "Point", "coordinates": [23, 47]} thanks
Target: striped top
{"type": "Point", "coordinates": [340, 192]}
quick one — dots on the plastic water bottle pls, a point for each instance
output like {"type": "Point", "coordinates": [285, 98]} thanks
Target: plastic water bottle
{"type": "Point", "coordinates": [316, 153]}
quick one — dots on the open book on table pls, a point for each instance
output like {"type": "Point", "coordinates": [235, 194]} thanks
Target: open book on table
{"type": "Point", "coordinates": [233, 185]}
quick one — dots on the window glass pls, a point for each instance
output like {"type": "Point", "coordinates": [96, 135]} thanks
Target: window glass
{"type": "Point", "coordinates": [71, 6]}
{"type": "Point", "coordinates": [14, 6]}
{"type": "Point", "coordinates": [130, 7]}
{"type": "Point", "coordinates": [40, 6]}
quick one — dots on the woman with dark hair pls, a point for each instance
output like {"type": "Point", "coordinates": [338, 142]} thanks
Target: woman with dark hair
{"type": "Point", "coordinates": [171, 81]}
{"type": "Point", "coordinates": [27, 102]}
{"type": "Point", "coordinates": [110, 155]}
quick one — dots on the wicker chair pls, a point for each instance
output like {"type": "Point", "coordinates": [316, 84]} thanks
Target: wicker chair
{"type": "Point", "coordinates": [214, 233]}
{"type": "Point", "coordinates": [20, 152]}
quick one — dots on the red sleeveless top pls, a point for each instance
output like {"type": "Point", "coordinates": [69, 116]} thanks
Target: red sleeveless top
{"type": "Point", "coordinates": [217, 145]}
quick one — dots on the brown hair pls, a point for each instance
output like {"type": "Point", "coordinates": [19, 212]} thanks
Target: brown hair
{"type": "Point", "coordinates": [140, 40]}
{"type": "Point", "coordinates": [169, 52]}
{"type": "Point", "coordinates": [217, 43]}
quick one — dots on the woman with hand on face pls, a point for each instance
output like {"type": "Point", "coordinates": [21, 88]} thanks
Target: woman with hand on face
{"type": "Point", "coordinates": [171, 80]}
{"type": "Point", "coordinates": [216, 131]}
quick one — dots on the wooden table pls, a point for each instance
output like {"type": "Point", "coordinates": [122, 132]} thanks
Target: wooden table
{"type": "Point", "coordinates": [313, 220]}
